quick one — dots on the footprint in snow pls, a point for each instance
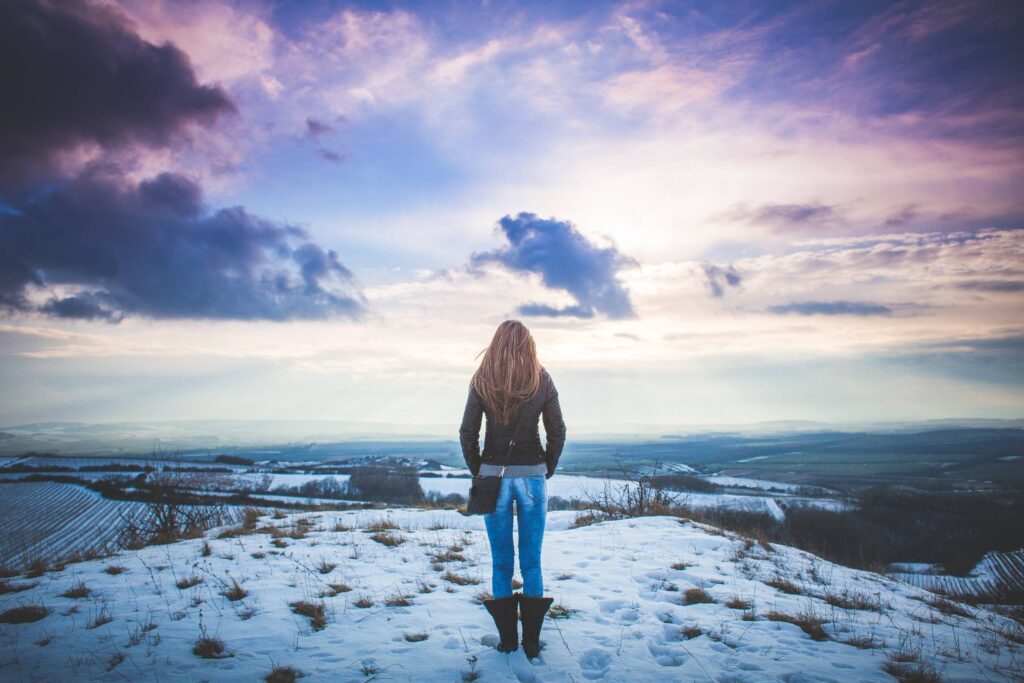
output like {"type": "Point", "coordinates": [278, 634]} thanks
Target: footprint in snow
{"type": "Point", "coordinates": [595, 663]}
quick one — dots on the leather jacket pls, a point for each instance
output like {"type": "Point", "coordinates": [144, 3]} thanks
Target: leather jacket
{"type": "Point", "coordinates": [527, 449]}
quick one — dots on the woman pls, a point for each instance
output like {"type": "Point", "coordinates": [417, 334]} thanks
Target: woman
{"type": "Point", "coordinates": [514, 390]}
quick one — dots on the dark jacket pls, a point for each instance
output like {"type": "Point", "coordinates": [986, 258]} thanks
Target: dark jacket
{"type": "Point", "coordinates": [527, 449]}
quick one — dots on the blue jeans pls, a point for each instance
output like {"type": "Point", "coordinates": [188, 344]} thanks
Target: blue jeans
{"type": "Point", "coordinates": [531, 497]}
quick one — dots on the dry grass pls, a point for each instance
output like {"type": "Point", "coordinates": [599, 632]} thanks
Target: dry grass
{"type": "Point", "coordinates": [863, 642]}
{"type": "Point", "coordinates": [77, 591]}
{"type": "Point", "coordinates": [283, 674]}
{"type": "Point", "coordinates": [189, 582]}
{"type": "Point", "coordinates": [326, 567]}
{"type": "Point", "coordinates": [696, 596]}
{"type": "Point", "coordinates": [679, 566]}
{"type": "Point", "coordinates": [810, 623]}
{"type": "Point", "coordinates": [416, 637]}
{"type": "Point", "coordinates": [114, 569]}
{"type": "Point", "coordinates": [460, 579]}
{"type": "Point", "coordinates": [208, 647]}
{"type": "Point", "coordinates": [398, 600]}
{"type": "Point", "coordinates": [849, 600]}
{"type": "Point", "coordinates": [8, 587]}
{"type": "Point", "coordinates": [36, 567]}
{"type": "Point", "coordinates": [948, 607]}
{"type": "Point", "coordinates": [560, 611]}
{"type": "Point", "coordinates": [363, 602]}
{"type": "Point", "coordinates": [316, 611]}
{"type": "Point", "coordinates": [25, 614]}
{"type": "Point", "coordinates": [448, 556]}
{"type": "Point", "coordinates": [390, 540]}
{"type": "Point", "coordinates": [784, 585]}
{"type": "Point", "coordinates": [690, 632]}
{"type": "Point", "coordinates": [381, 524]}
{"type": "Point", "coordinates": [102, 617]}
{"type": "Point", "coordinates": [234, 592]}
{"type": "Point", "coordinates": [737, 603]}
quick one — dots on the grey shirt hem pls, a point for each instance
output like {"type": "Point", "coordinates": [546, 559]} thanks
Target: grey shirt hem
{"type": "Point", "coordinates": [538, 470]}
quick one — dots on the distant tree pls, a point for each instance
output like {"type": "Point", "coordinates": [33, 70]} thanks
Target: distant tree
{"type": "Point", "coordinates": [385, 484]}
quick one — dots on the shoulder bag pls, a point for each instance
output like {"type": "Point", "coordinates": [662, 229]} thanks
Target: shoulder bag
{"type": "Point", "coordinates": [483, 492]}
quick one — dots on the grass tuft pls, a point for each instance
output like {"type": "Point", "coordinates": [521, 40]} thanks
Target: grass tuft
{"type": "Point", "coordinates": [77, 591]}
{"type": "Point", "coordinates": [316, 612]}
{"type": "Point", "coordinates": [209, 647]}
{"type": "Point", "coordinates": [460, 579]}
{"type": "Point", "coordinates": [234, 592]}
{"type": "Point", "coordinates": [808, 622]}
{"type": "Point", "coordinates": [283, 674]}
{"type": "Point", "coordinates": [189, 582]}
{"type": "Point", "coordinates": [696, 596]}
{"type": "Point", "coordinates": [24, 614]}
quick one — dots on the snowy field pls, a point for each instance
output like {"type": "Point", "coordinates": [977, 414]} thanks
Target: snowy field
{"type": "Point", "coordinates": [407, 609]}
{"type": "Point", "coordinates": [46, 519]}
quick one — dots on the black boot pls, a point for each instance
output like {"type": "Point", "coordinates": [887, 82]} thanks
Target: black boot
{"type": "Point", "coordinates": [532, 611]}
{"type": "Point", "coordinates": [504, 612]}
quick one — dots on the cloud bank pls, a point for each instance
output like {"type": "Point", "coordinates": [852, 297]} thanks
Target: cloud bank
{"type": "Point", "coordinates": [94, 242]}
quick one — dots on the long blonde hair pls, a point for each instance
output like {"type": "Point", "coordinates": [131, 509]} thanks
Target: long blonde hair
{"type": "Point", "coordinates": [509, 374]}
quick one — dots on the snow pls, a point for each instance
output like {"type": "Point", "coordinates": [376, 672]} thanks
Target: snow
{"type": "Point", "coordinates": [744, 482]}
{"type": "Point", "coordinates": [619, 575]}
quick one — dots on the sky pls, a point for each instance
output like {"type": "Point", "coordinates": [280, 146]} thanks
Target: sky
{"type": "Point", "coordinates": [705, 212]}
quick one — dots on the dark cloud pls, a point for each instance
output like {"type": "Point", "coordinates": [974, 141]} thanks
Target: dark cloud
{"type": "Point", "coordinates": [152, 249]}
{"type": "Point", "coordinates": [73, 73]}
{"type": "Point", "coordinates": [788, 216]}
{"type": "Point", "coordinates": [719, 279]}
{"type": "Point", "coordinates": [331, 155]}
{"type": "Point", "coordinates": [998, 286]}
{"type": "Point", "coordinates": [315, 128]}
{"type": "Point", "coordinates": [85, 306]}
{"type": "Point", "coordinates": [101, 245]}
{"type": "Point", "coordinates": [831, 308]}
{"type": "Point", "coordinates": [565, 260]}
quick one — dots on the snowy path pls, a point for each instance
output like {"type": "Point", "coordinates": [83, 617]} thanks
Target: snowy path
{"type": "Point", "coordinates": [627, 579]}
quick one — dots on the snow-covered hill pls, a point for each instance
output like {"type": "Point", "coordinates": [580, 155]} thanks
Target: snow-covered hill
{"type": "Point", "coordinates": [340, 596]}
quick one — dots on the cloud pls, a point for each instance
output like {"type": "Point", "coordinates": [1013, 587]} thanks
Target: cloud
{"type": "Point", "coordinates": [315, 128]}
{"type": "Point", "coordinates": [788, 216]}
{"type": "Point", "coordinates": [565, 260]}
{"type": "Point", "coordinates": [78, 77]}
{"type": "Point", "coordinates": [719, 279]}
{"type": "Point", "coordinates": [152, 249]}
{"type": "Point", "coordinates": [831, 308]}
{"type": "Point", "coordinates": [997, 286]}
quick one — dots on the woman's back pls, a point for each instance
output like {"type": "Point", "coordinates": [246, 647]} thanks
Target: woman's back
{"type": "Point", "coordinates": [524, 427]}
